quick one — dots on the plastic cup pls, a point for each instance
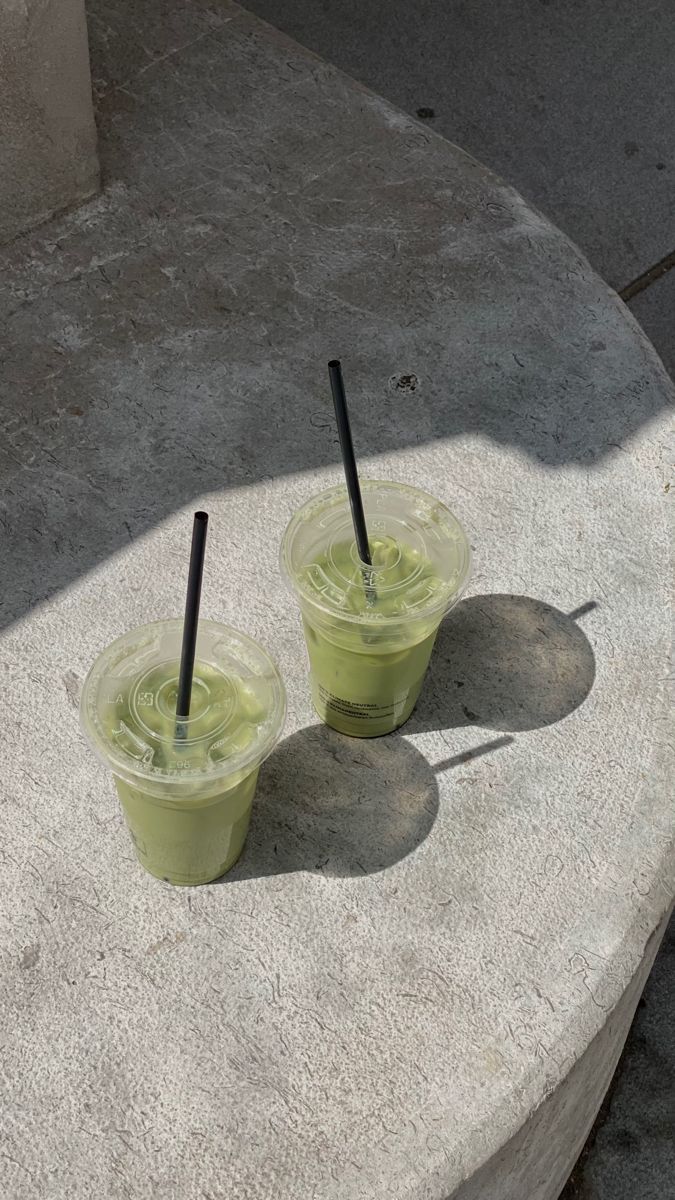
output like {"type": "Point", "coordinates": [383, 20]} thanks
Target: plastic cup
{"type": "Point", "coordinates": [370, 633]}
{"type": "Point", "coordinates": [186, 791]}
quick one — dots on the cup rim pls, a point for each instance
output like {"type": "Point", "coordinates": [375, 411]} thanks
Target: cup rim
{"type": "Point", "coordinates": [177, 786]}
{"type": "Point", "coordinates": [321, 500]}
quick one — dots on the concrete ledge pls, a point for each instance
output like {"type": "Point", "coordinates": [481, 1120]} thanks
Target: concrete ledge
{"type": "Point", "coordinates": [47, 134]}
{"type": "Point", "coordinates": [536, 1163]}
{"type": "Point", "coordinates": [398, 986]}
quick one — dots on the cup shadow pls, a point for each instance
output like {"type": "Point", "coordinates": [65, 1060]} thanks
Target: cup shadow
{"type": "Point", "coordinates": [338, 806]}
{"type": "Point", "coordinates": [349, 807]}
{"type": "Point", "coordinates": [504, 662]}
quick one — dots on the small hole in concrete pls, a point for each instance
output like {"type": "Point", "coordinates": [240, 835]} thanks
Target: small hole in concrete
{"type": "Point", "coordinates": [404, 383]}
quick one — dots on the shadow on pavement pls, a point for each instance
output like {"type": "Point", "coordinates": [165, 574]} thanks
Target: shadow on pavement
{"type": "Point", "coordinates": [170, 338]}
{"type": "Point", "coordinates": [509, 663]}
{"type": "Point", "coordinates": [349, 806]}
{"type": "Point", "coordinates": [342, 806]}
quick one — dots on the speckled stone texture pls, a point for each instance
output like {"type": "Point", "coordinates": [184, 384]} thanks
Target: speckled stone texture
{"type": "Point", "coordinates": [47, 135]}
{"type": "Point", "coordinates": [426, 933]}
{"type": "Point", "coordinates": [573, 104]}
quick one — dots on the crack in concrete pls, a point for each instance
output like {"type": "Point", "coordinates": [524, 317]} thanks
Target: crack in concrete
{"type": "Point", "coordinates": [648, 277]}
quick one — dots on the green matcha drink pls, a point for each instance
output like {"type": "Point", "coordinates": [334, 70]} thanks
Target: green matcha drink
{"type": "Point", "coordinates": [186, 789]}
{"type": "Point", "coordinates": [370, 631]}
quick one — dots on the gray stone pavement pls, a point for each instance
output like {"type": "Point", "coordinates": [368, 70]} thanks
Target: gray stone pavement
{"type": "Point", "coordinates": [106, 310]}
{"type": "Point", "coordinates": [574, 105]}
{"type": "Point", "coordinates": [655, 310]}
{"type": "Point", "coordinates": [631, 1152]}
{"type": "Point", "coordinates": [430, 991]}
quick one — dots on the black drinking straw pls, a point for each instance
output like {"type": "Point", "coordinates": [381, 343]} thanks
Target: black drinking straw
{"type": "Point", "coordinates": [194, 592]}
{"type": "Point", "coordinates": [347, 448]}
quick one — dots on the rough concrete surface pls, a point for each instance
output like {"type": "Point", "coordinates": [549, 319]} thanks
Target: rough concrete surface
{"type": "Point", "coordinates": [575, 106]}
{"type": "Point", "coordinates": [532, 1165]}
{"type": "Point", "coordinates": [655, 310]}
{"type": "Point", "coordinates": [425, 933]}
{"type": "Point", "coordinates": [572, 102]}
{"type": "Point", "coordinates": [47, 135]}
{"type": "Point", "coordinates": [632, 1152]}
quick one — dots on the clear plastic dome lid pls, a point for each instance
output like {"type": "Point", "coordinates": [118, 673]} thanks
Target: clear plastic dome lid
{"type": "Point", "coordinates": [421, 558]}
{"type": "Point", "coordinates": [128, 707]}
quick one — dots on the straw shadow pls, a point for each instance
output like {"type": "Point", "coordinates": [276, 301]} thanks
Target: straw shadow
{"type": "Point", "coordinates": [339, 806]}
{"type": "Point", "coordinates": [509, 663]}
